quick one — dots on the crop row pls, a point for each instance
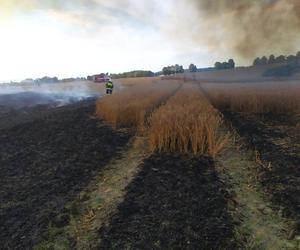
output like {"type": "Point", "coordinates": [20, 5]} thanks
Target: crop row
{"type": "Point", "coordinates": [186, 123]}
{"type": "Point", "coordinates": [268, 98]}
{"type": "Point", "coordinates": [130, 107]}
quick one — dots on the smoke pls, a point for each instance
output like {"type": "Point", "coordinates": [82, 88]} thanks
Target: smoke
{"type": "Point", "coordinates": [242, 29]}
{"type": "Point", "coordinates": [53, 95]}
{"type": "Point", "coordinates": [247, 28]}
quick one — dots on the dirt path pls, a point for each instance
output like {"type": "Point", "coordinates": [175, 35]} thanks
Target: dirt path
{"type": "Point", "coordinates": [261, 227]}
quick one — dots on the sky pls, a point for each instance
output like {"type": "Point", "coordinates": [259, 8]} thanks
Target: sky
{"type": "Point", "coordinates": [70, 38]}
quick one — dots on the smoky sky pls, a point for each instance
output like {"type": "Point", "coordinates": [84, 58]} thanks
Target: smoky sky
{"type": "Point", "coordinates": [249, 28]}
{"type": "Point", "coordinates": [241, 29]}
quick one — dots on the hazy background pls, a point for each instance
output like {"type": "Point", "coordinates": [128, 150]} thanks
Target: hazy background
{"type": "Point", "coordinates": [76, 38]}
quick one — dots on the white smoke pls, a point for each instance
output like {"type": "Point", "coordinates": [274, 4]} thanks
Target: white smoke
{"type": "Point", "coordinates": [58, 94]}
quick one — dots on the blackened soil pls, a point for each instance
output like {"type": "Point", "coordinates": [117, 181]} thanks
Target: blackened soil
{"type": "Point", "coordinates": [44, 164]}
{"type": "Point", "coordinates": [175, 202]}
{"type": "Point", "coordinates": [271, 138]}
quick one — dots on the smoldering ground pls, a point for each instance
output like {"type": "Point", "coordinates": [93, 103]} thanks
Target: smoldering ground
{"type": "Point", "coordinates": [51, 95]}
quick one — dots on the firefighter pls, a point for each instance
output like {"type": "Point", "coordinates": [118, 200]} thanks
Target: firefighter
{"type": "Point", "coordinates": [109, 87]}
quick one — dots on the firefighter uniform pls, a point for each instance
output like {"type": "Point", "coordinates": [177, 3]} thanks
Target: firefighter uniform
{"type": "Point", "coordinates": [109, 87]}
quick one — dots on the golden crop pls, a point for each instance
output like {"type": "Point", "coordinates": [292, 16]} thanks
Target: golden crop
{"type": "Point", "coordinates": [128, 108]}
{"type": "Point", "coordinates": [186, 123]}
{"type": "Point", "coordinates": [262, 99]}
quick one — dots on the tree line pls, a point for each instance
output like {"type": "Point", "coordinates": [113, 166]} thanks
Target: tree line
{"type": "Point", "coordinates": [291, 59]}
{"type": "Point", "coordinates": [169, 70]}
{"type": "Point", "coordinates": [174, 69]}
{"type": "Point", "coordinates": [47, 79]}
{"type": "Point", "coordinates": [135, 73]}
{"type": "Point", "coordinates": [284, 66]}
{"type": "Point", "coordinates": [177, 69]}
{"type": "Point", "coordinates": [225, 65]}
{"type": "Point", "coordinates": [193, 68]}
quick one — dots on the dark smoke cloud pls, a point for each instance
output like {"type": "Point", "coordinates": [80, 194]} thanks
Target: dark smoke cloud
{"type": "Point", "coordinates": [249, 28]}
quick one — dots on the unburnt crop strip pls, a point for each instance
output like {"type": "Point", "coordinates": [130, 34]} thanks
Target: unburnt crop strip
{"type": "Point", "coordinates": [130, 107]}
{"type": "Point", "coordinates": [186, 123]}
{"type": "Point", "coordinates": [272, 99]}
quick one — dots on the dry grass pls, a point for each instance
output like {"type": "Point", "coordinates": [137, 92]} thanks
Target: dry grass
{"type": "Point", "coordinates": [128, 108]}
{"type": "Point", "coordinates": [269, 98]}
{"type": "Point", "coordinates": [186, 123]}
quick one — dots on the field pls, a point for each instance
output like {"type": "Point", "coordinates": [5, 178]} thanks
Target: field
{"type": "Point", "coordinates": [186, 123]}
{"type": "Point", "coordinates": [130, 107]}
{"type": "Point", "coordinates": [163, 163]}
{"type": "Point", "coordinates": [174, 202]}
{"type": "Point", "coordinates": [55, 167]}
{"type": "Point", "coordinates": [268, 117]}
{"type": "Point", "coordinates": [238, 75]}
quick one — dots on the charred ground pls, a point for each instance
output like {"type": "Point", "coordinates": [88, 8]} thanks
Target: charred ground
{"type": "Point", "coordinates": [175, 202]}
{"type": "Point", "coordinates": [45, 162]}
{"type": "Point", "coordinates": [276, 142]}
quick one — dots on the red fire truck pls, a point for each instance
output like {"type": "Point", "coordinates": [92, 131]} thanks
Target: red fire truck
{"type": "Point", "coordinates": [100, 78]}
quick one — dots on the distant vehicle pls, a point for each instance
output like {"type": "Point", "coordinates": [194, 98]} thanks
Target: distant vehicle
{"type": "Point", "coordinates": [101, 78]}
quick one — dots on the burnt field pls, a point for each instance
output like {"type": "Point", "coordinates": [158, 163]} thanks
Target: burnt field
{"type": "Point", "coordinates": [276, 141]}
{"type": "Point", "coordinates": [267, 117]}
{"type": "Point", "coordinates": [74, 177]}
{"type": "Point", "coordinates": [175, 202]}
{"type": "Point", "coordinates": [45, 162]}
